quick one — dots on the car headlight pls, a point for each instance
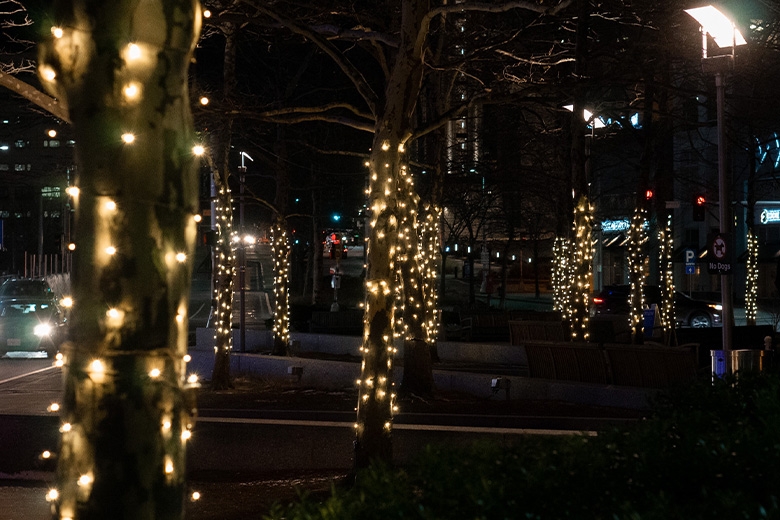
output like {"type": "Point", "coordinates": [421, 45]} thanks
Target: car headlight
{"type": "Point", "coordinates": [42, 329]}
{"type": "Point", "coordinates": [716, 306]}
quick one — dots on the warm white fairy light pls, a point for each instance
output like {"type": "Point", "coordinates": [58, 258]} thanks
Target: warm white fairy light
{"type": "Point", "coordinates": [198, 150]}
{"type": "Point", "coordinates": [181, 257]}
{"type": "Point", "coordinates": [280, 250]}
{"type": "Point", "coordinates": [132, 91]}
{"type": "Point", "coordinates": [54, 407]}
{"type": "Point", "coordinates": [186, 435]}
{"type": "Point", "coordinates": [226, 271]}
{"type": "Point", "coordinates": [47, 73]}
{"type": "Point", "coordinates": [128, 138]}
{"type": "Point", "coordinates": [71, 247]}
{"type": "Point", "coordinates": [636, 267]}
{"type": "Point", "coordinates": [114, 317]}
{"type": "Point", "coordinates": [562, 277]}
{"type": "Point", "coordinates": [85, 480]}
{"type": "Point", "coordinates": [666, 270]}
{"type": "Point", "coordinates": [66, 302]}
{"type": "Point", "coordinates": [155, 373]}
{"type": "Point", "coordinates": [110, 250]}
{"type": "Point", "coordinates": [204, 100]}
{"type": "Point", "coordinates": [110, 205]}
{"type": "Point", "coordinates": [66, 427]}
{"type": "Point", "coordinates": [52, 495]}
{"type": "Point", "coordinates": [751, 279]}
{"type": "Point", "coordinates": [73, 191]}
{"type": "Point", "coordinates": [57, 32]}
{"type": "Point", "coordinates": [46, 455]}
{"type": "Point", "coordinates": [133, 52]}
{"type": "Point", "coordinates": [192, 379]}
{"type": "Point", "coordinates": [582, 259]}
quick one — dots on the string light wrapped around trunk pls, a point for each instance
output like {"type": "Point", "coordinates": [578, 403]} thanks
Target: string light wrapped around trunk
{"type": "Point", "coordinates": [281, 254]}
{"type": "Point", "coordinates": [666, 269]}
{"type": "Point", "coordinates": [751, 280]}
{"type": "Point", "coordinates": [581, 268]}
{"type": "Point", "coordinates": [636, 271]}
{"type": "Point", "coordinates": [562, 277]}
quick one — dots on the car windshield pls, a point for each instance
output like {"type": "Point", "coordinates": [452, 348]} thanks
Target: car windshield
{"type": "Point", "coordinates": [19, 309]}
{"type": "Point", "coordinates": [25, 289]}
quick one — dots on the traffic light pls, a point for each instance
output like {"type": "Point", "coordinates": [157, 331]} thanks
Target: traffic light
{"type": "Point", "coordinates": [698, 208]}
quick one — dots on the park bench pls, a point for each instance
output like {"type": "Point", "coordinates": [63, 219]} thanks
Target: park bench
{"type": "Point", "coordinates": [522, 331]}
{"type": "Point", "coordinates": [346, 323]}
{"type": "Point", "coordinates": [616, 364]}
{"type": "Point", "coordinates": [487, 326]}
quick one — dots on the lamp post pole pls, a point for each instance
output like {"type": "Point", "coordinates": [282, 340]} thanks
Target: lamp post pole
{"type": "Point", "coordinates": [724, 32]}
{"type": "Point", "coordinates": [726, 222]}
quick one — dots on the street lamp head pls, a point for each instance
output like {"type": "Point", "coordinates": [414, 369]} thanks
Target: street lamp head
{"type": "Point", "coordinates": [719, 25]}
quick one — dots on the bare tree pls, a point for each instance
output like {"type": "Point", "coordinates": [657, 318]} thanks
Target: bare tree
{"type": "Point", "coordinates": [127, 408]}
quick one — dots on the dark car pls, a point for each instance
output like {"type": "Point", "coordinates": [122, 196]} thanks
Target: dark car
{"type": "Point", "coordinates": [688, 311]}
{"type": "Point", "coordinates": [17, 288]}
{"type": "Point", "coordinates": [30, 318]}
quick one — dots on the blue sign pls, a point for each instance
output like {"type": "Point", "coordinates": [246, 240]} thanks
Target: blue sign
{"type": "Point", "coordinates": [690, 261]}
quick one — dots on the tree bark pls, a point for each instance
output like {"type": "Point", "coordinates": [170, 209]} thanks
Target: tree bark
{"type": "Point", "coordinates": [387, 168]}
{"type": "Point", "coordinates": [224, 267]}
{"type": "Point", "coordinates": [122, 69]}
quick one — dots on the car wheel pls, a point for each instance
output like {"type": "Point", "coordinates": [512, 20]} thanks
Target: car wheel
{"type": "Point", "coordinates": [700, 321]}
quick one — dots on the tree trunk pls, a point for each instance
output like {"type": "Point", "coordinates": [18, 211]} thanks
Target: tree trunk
{"type": "Point", "coordinates": [418, 367]}
{"type": "Point", "coordinates": [281, 255]}
{"type": "Point", "coordinates": [224, 268]}
{"type": "Point", "coordinates": [122, 69]}
{"type": "Point", "coordinates": [387, 169]}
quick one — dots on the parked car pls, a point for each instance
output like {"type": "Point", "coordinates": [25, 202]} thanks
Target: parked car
{"type": "Point", "coordinates": [688, 311]}
{"type": "Point", "coordinates": [25, 288]}
{"type": "Point", "coordinates": [30, 318]}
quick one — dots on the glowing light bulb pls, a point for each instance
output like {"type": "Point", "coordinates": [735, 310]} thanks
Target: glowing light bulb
{"type": "Point", "coordinates": [73, 191]}
{"type": "Point", "coordinates": [110, 205]}
{"type": "Point", "coordinates": [128, 138]}
{"type": "Point", "coordinates": [195, 495]}
{"type": "Point", "coordinates": [46, 454]}
{"type": "Point", "coordinates": [186, 435]}
{"type": "Point", "coordinates": [197, 218]}
{"type": "Point", "coordinates": [47, 73]}
{"type": "Point", "coordinates": [52, 133]}
{"type": "Point", "coordinates": [52, 495]}
{"type": "Point", "coordinates": [66, 427]}
{"type": "Point", "coordinates": [85, 480]}
{"type": "Point", "coordinates": [133, 51]}
{"type": "Point", "coordinates": [71, 247]}
{"type": "Point", "coordinates": [204, 100]}
{"type": "Point", "coordinates": [110, 250]}
{"type": "Point", "coordinates": [54, 407]}
{"type": "Point", "coordinates": [57, 32]}
{"type": "Point", "coordinates": [206, 14]}
{"type": "Point", "coordinates": [198, 150]}
{"type": "Point", "coordinates": [154, 373]}
{"type": "Point", "coordinates": [132, 91]}
{"type": "Point", "coordinates": [181, 257]}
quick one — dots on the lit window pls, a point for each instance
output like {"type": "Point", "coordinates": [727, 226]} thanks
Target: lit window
{"type": "Point", "coordinates": [54, 143]}
{"type": "Point", "coordinates": [19, 167]}
{"type": "Point", "coordinates": [20, 143]}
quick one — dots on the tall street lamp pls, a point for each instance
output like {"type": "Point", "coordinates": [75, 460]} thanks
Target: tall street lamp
{"type": "Point", "coordinates": [725, 34]}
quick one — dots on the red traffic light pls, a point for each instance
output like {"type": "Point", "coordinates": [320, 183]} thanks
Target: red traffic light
{"type": "Point", "coordinates": [700, 200]}
{"type": "Point", "coordinates": [649, 194]}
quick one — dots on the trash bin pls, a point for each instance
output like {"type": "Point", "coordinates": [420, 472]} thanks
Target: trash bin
{"type": "Point", "coordinates": [718, 364]}
{"type": "Point", "coordinates": [748, 361]}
